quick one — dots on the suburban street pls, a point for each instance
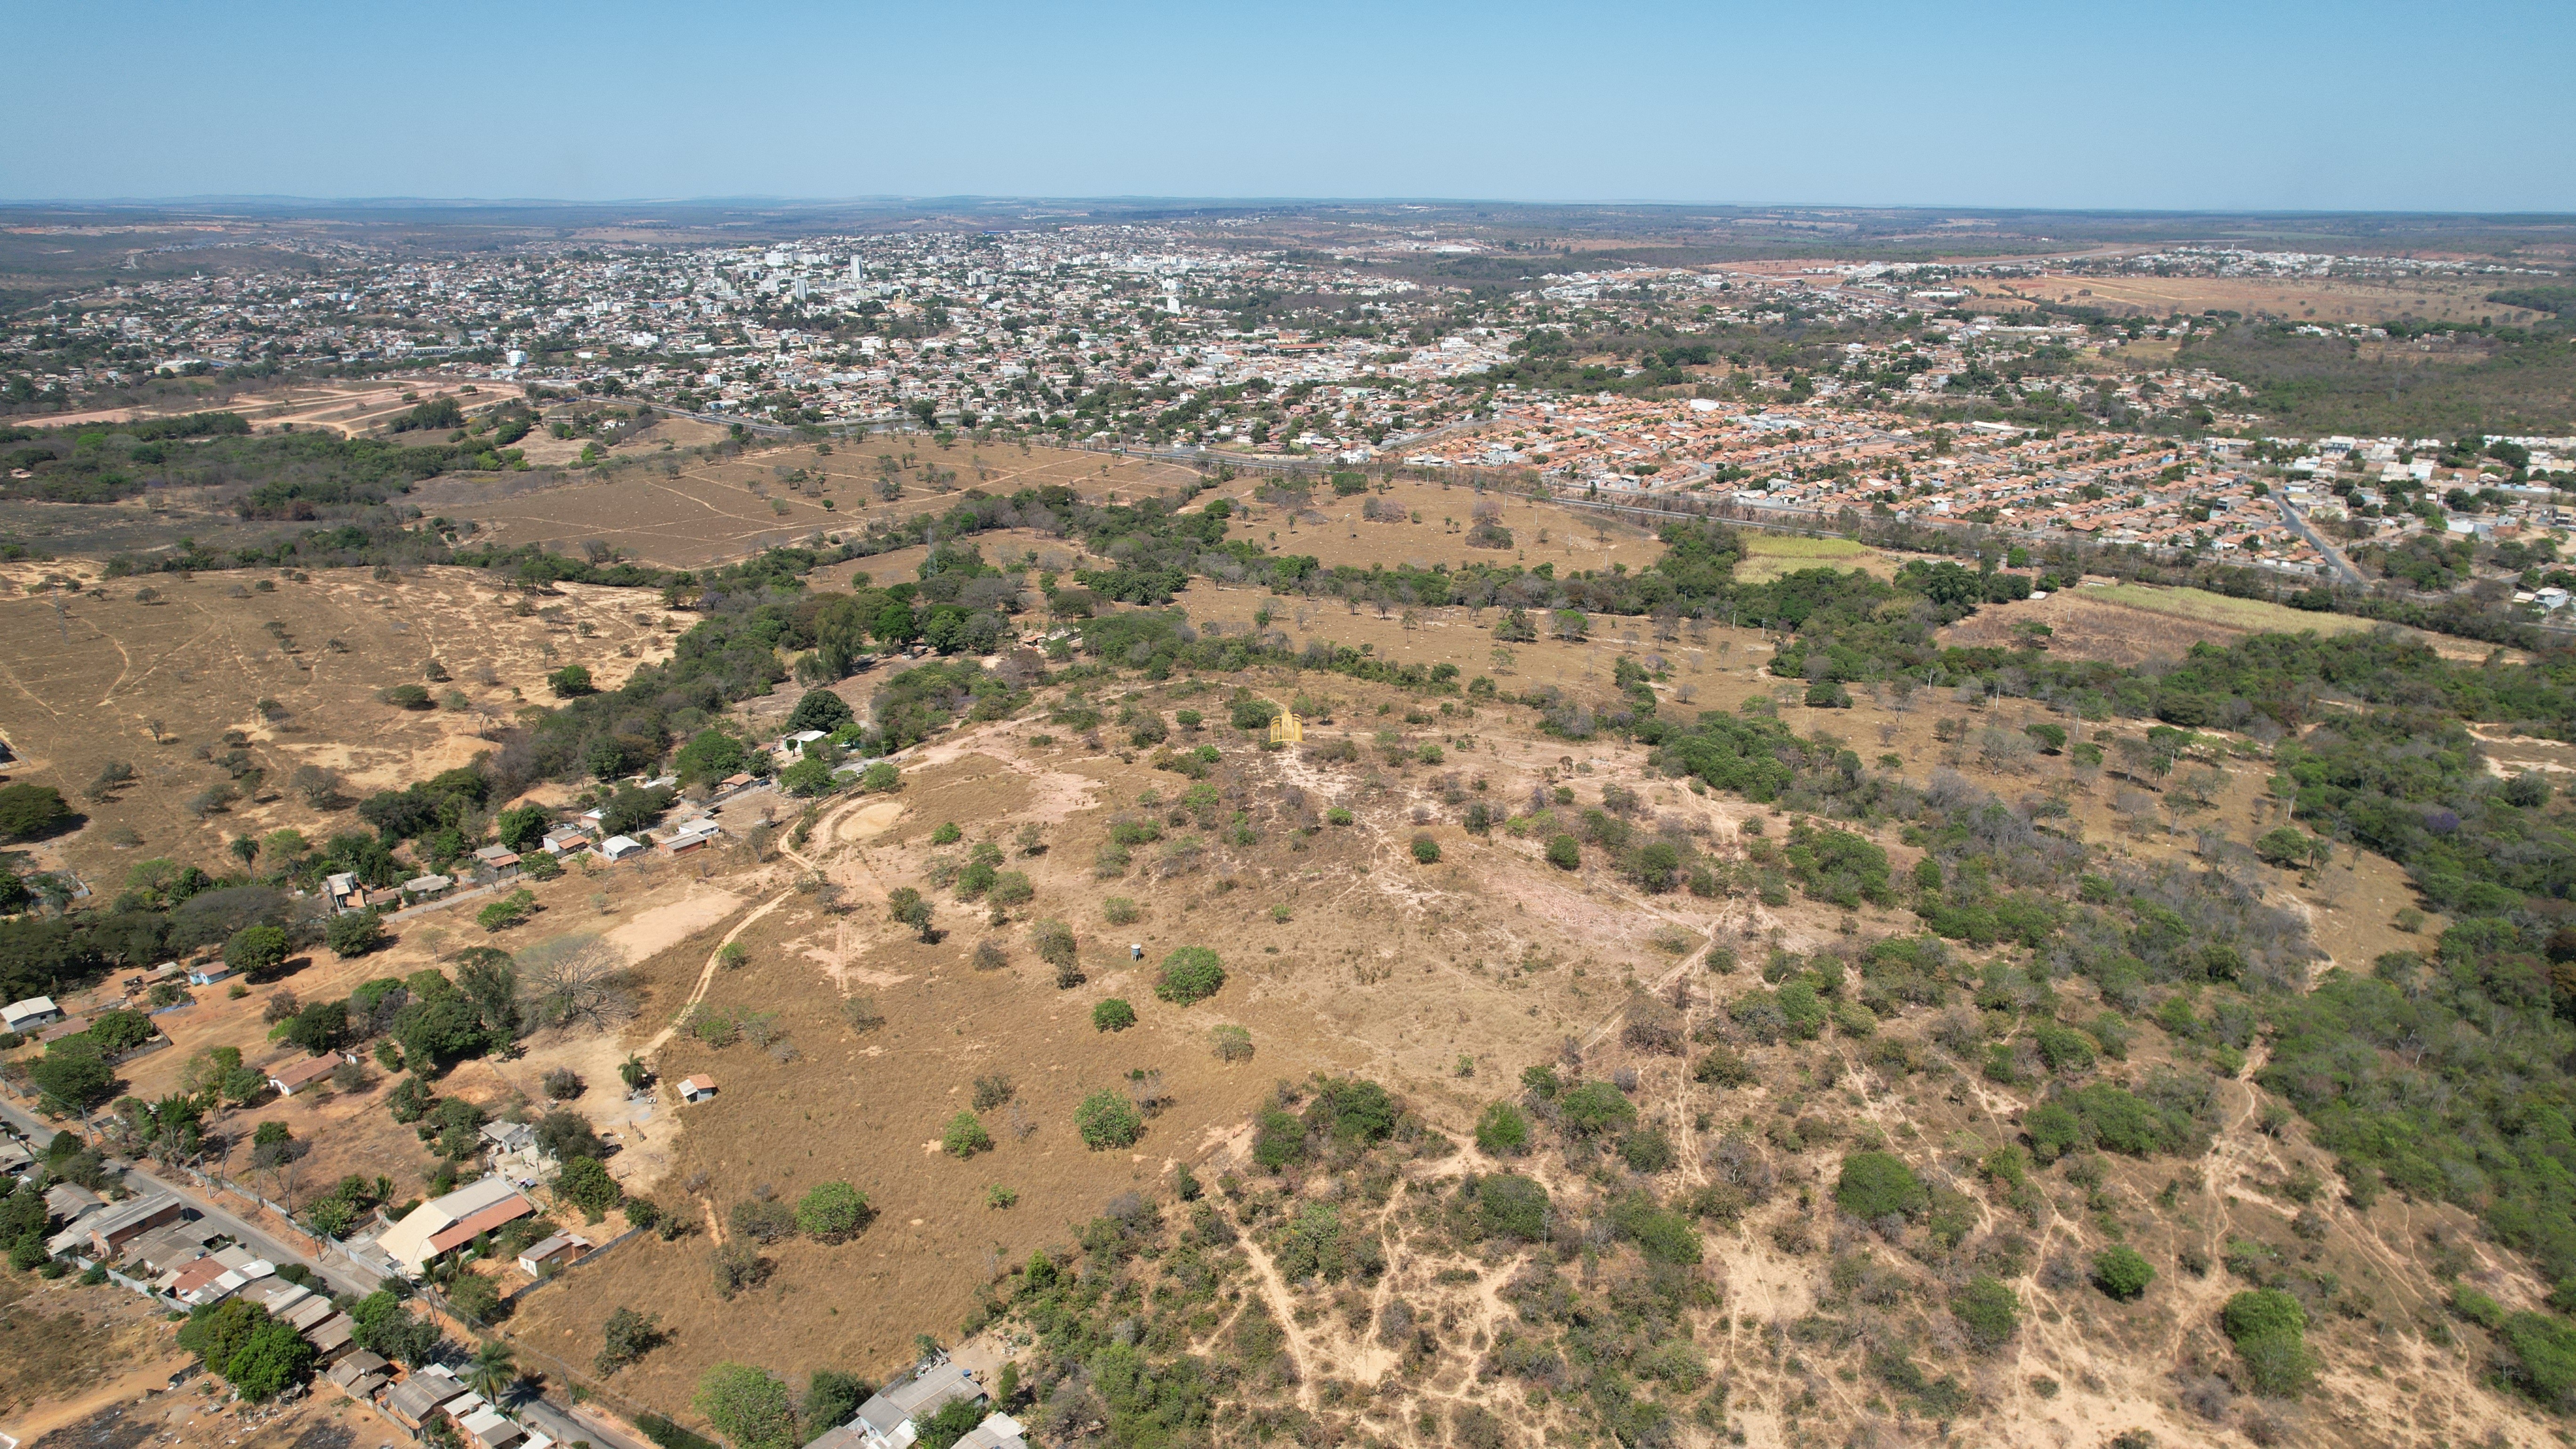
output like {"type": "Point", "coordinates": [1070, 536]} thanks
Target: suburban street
{"type": "Point", "coordinates": [343, 1277]}
{"type": "Point", "coordinates": [2333, 556]}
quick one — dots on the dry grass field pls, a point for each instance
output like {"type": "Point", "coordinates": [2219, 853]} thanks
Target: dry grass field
{"type": "Point", "coordinates": [2121, 623]}
{"type": "Point", "coordinates": [157, 685]}
{"type": "Point", "coordinates": [1343, 954]}
{"type": "Point", "coordinates": [2327, 299]}
{"type": "Point", "coordinates": [667, 508]}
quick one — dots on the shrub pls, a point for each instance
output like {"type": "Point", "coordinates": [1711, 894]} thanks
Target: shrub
{"type": "Point", "coordinates": [1724, 1067]}
{"type": "Point", "coordinates": [1875, 1185]}
{"type": "Point", "coordinates": [2269, 1329]}
{"type": "Point", "coordinates": [880, 778]}
{"type": "Point", "coordinates": [1107, 1119]}
{"type": "Point", "coordinates": [2122, 1272]}
{"type": "Point", "coordinates": [508, 911]}
{"type": "Point", "coordinates": [1564, 852]}
{"type": "Point", "coordinates": [965, 1136]}
{"type": "Point", "coordinates": [405, 696]}
{"type": "Point", "coordinates": [1988, 1311]}
{"type": "Point", "coordinates": [1231, 1043]}
{"type": "Point", "coordinates": [1120, 911]}
{"type": "Point", "coordinates": [1055, 947]}
{"type": "Point", "coordinates": [1338, 816]}
{"type": "Point", "coordinates": [1648, 1149]}
{"type": "Point", "coordinates": [1595, 1109]}
{"type": "Point", "coordinates": [1502, 1131]}
{"type": "Point", "coordinates": [1426, 851]}
{"type": "Point", "coordinates": [626, 1337]}
{"type": "Point", "coordinates": [2262, 1311]}
{"type": "Point", "coordinates": [1113, 1014]}
{"type": "Point", "coordinates": [1511, 1206]}
{"type": "Point", "coordinates": [1190, 974]}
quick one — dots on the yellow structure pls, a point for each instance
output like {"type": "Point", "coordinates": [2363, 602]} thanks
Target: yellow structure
{"type": "Point", "coordinates": [1285, 730]}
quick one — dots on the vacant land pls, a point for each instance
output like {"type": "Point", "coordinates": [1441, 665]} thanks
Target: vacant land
{"type": "Point", "coordinates": [2328, 299]}
{"type": "Point", "coordinates": [680, 511]}
{"type": "Point", "coordinates": [292, 666]}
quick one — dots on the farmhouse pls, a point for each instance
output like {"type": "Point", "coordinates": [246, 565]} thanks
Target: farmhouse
{"type": "Point", "coordinates": [618, 847]}
{"type": "Point", "coordinates": [209, 973]}
{"type": "Point", "coordinates": [293, 1077]}
{"type": "Point", "coordinates": [443, 1224]}
{"type": "Point", "coordinates": [29, 1014]}
{"type": "Point", "coordinates": [697, 1089]}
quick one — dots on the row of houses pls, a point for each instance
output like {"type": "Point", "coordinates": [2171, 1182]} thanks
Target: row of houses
{"type": "Point", "coordinates": [497, 863]}
{"type": "Point", "coordinates": [157, 1247]}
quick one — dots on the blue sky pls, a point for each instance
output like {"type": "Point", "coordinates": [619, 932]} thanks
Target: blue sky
{"type": "Point", "coordinates": [2363, 104]}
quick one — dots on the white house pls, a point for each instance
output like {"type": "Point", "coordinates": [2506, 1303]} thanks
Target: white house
{"type": "Point", "coordinates": [618, 847]}
{"type": "Point", "coordinates": [31, 1013]}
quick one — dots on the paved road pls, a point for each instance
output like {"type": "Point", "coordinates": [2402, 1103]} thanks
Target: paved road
{"type": "Point", "coordinates": [343, 1277]}
{"type": "Point", "coordinates": [567, 1426]}
{"type": "Point", "coordinates": [2332, 555]}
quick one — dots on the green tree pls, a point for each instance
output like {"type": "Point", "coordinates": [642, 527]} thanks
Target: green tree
{"type": "Point", "coordinates": [29, 811]}
{"type": "Point", "coordinates": [584, 1182]}
{"type": "Point", "coordinates": [1112, 1014]}
{"type": "Point", "coordinates": [1190, 974]}
{"type": "Point", "coordinates": [352, 934]}
{"type": "Point", "coordinates": [832, 1397]}
{"type": "Point", "coordinates": [907, 908]}
{"type": "Point", "coordinates": [748, 1407]}
{"type": "Point", "coordinates": [73, 1073]}
{"type": "Point", "coordinates": [1564, 852]}
{"type": "Point", "coordinates": [832, 1211]}
{"type": "Point", "coordinates": [1595, 1109]}
{"type": "Point", "coordinates": [570, 682]}
{"type": "Point", "coordinates": [256, 950]}
{"type": "Point", "coordinates": [819, 709]}
{"type": "Point", "coordinates": [493, 1370]}
{"type": "Point", "coordinates": [1107, 1119]}
{"type": "Point", "coordinates": [523, 827]}
{"type": "Point", "coordinates": [709, 757]}
{"type": "Point", "coordinates": [2122, 1272]}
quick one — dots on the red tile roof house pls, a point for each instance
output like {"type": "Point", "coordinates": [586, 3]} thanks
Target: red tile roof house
{"type": "Point", "coordinates": [697, 1089]}
{"type": "Point", "coordinates": [293, 1077]}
